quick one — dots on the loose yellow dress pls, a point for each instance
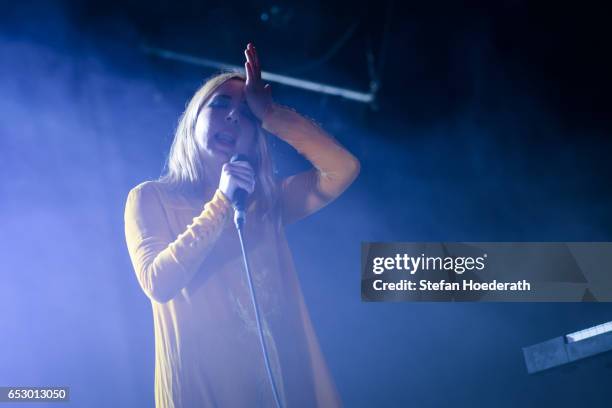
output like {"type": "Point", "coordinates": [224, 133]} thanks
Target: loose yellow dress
{"type": "Point", "coordinates": [188, 262]}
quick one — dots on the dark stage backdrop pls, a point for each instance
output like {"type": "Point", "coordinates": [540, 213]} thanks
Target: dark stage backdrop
{"type": "Point", "coordinates": [492, 124]}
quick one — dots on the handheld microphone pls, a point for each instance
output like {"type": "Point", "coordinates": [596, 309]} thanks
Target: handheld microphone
{"type": "Point", "coordinates": [240, 196]}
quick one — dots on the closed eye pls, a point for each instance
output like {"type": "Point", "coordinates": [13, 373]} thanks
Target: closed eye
{"type": "Point", "coordinates": [225, 101]}
{"type": "Point", "coordinates": [218, 103]}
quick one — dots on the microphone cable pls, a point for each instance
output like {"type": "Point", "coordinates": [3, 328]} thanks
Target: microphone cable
{"type": "Point", "coordinates": [239, 221]}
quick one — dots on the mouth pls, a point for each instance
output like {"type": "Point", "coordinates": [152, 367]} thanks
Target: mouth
{"type": "Point", "coordinates": [226, 140]}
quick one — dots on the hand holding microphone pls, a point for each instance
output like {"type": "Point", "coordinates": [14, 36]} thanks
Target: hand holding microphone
{"type": "Point", "coordinates": [237, 182]}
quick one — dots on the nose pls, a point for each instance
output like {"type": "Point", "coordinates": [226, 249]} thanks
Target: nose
{"type": "Point", "coordinates": [232, 116]}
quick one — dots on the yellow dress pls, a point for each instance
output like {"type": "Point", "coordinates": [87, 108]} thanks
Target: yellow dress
{"type": "Point", "coordinates": [188, 262]}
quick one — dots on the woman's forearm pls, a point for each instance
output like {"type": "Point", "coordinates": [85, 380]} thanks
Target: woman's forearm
{"type": "Point", "coordinates": [164, 265]}
{"type": "Point", "coordinates": [335, 168]}
{"type": "Point", "coordinates": [322, 150]}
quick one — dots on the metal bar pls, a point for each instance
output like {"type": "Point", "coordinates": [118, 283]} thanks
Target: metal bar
{"type": "Point", "coordinates": [268, 76]}
{"type": "Point", "coordinates": [569, 348]}
{"type": "Point", "coordinates": [590, 332]}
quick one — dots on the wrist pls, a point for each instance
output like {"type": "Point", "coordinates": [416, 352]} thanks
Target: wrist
{"type": "Point", "coordinates": [223, 196]}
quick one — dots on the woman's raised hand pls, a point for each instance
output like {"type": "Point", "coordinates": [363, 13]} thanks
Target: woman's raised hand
{"type": "Point", "coordinates": [258, 95]}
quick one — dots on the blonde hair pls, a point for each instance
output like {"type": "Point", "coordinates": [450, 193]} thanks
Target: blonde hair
{"type": "Point", "coordinates": [184, 167]}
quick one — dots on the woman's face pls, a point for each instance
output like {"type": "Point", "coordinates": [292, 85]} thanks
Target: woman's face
{"type": "Point", "coordinates": [225, 125]}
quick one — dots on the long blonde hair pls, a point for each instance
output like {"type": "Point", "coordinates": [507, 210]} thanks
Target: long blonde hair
{"type": "Point", "coordinates": [184, 165]}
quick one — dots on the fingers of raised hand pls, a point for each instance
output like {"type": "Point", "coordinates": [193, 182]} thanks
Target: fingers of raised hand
{"type": "Point", "coordinates": [249, 73]}
{"type": "Point", "coordinates": [252, 61]}
{"type": "Point", "coordinates": [255, 58]}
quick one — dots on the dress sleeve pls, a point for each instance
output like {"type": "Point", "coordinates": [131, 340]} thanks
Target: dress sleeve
{"type": "Point", "coordinates": [164, 264]}
{"type": "Point", "coordinates": [334, 167]}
